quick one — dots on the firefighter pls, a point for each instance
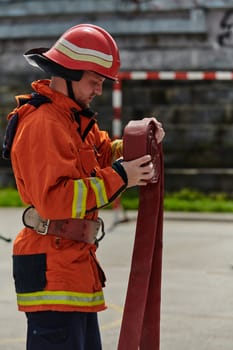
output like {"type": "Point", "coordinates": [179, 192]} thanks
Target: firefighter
{"type": "Point", "coordinates": [66, 168]}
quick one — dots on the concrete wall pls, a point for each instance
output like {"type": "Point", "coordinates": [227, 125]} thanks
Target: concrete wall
{"type": "Point", "coordinates": [152, 35]}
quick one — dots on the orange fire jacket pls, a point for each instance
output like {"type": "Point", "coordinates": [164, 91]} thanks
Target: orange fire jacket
{"type": "Point", "coordinates": [63, 175]}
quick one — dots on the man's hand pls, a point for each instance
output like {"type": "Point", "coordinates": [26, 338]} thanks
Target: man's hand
{"type": "Point", "coordinates": [159, 134]}
{"type": "Point", "coordinates": [139, 171]}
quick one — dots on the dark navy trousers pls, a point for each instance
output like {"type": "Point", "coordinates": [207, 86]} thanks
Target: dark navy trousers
{"type": "Point", "coordinates": [52, 330]}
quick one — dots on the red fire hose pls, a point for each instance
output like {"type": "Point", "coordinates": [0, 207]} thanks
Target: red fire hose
{"type": "Point", "coordinates": [140, 327]}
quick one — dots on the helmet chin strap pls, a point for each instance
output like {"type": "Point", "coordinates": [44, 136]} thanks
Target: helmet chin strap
{"type": "Point", "coordinates": [70, 89]}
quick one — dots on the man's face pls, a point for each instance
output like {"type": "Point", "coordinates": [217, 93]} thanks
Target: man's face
{"type": "Point", "coordinates": [87, 88]}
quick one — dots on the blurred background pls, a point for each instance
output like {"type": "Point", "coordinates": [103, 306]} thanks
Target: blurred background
{"type": "Point", "coordinates": [159, 36]}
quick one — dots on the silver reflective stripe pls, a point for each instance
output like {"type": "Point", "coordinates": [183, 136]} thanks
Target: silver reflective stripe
{"type": "Point", "coordinates": [81, 197]}
{"type": "Point", "coordinates": [98, 187]}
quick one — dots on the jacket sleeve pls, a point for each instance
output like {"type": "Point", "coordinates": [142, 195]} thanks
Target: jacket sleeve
{"type": "Point", "coordinates": [59, 179]}
{"type": "Point", "coordinates": [108, 150]}
{"type": "Point", "coordinates": [117, 149]}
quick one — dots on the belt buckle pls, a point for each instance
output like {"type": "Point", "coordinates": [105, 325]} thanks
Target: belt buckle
{"type": "Point", "coordinates": [42, 226]}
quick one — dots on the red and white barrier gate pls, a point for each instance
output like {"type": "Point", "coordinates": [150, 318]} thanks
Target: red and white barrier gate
{"type": "Point", "coordinates": [160, 75]}
{"type": "Point", "coordinates": [152, 75]}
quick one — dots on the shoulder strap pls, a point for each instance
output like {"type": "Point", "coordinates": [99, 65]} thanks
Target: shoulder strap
{"type": "Point", "coordinates": [87, 112]}
{"type": "Point", "coordinates": [34, 100]}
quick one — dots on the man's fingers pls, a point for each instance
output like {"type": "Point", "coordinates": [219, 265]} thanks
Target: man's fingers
{"type": "Point", "coordinates": [159, 134]}
{"type": "Point", "coordinates": [143, 160]}
{"type": "Point", "coordinates": [139, 171]}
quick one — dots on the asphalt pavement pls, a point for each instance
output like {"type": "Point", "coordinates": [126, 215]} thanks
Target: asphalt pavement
{"type": "Point", "coordinates": [197, 280]}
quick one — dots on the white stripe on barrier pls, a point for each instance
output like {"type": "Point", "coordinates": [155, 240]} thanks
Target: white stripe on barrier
{"type": "Point", "coordinates": [167, 75]}
{"type": "Point", "coordinates": [116, 128]}
{"type": "Point", "coordinates": [117, 98]}
{"type": "Point", "coordinates": [195, 75]}
{"type": "Point", "coordinates": [224, 75]}
{"type": "Point", "coordinates": [138, 75]}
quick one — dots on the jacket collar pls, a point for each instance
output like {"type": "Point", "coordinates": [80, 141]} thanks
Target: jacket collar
{"type": "Point", "coordinates": [85, 118]}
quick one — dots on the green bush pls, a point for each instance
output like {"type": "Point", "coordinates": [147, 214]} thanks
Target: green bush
{"type": "Point", "coordinates": [183, 200]}
{"type": "Point", "coordinates": [191, 200]}
{"type": "Point", "coordinates": [9, 197]}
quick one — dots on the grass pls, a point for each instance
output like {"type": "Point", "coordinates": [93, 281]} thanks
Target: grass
{"type": "Point", "coordinates": [9, 197]}
{"type": "Point", "coordinates": [184, 200]}
{"type": "Point", "coordinates": [190, 200]}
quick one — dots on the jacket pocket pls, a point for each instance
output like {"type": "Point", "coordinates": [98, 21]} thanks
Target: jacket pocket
{"type": "Point", "coordinates": [29, 272]}
{"type": "Point", "coordinates": [88, 160]}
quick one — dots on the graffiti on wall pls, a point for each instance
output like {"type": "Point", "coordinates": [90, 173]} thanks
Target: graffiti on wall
{"type": "Point", "coordinates": [225, 38]}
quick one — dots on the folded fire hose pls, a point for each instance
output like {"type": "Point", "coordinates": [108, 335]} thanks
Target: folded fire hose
{"type": "Point", "coordinates": [140, 327]}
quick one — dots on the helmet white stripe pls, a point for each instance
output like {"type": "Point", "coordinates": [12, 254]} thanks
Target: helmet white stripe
{"type": "Point", "coordinates": [82, 54]}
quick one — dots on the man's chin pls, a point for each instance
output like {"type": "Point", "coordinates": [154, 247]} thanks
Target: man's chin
{"type": "Point", "coordinates": [83, 105]}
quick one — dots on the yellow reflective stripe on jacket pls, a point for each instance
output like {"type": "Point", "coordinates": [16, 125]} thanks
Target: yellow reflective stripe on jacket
{"type": "Point", "coordinates": [79, 200]}
{"type": "Point", "coordinates": [98, 187]}
{"type": "Point", "coordinates": [60, 298]}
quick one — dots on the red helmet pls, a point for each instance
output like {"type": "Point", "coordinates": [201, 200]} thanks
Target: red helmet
{"type": "Point", "coordinates": [82, 47]}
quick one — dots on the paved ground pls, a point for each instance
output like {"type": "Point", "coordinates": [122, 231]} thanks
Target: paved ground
{"type": "Point", "coordinates": [197, 286]}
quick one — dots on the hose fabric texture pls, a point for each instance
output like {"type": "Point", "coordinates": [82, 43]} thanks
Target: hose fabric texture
{"type": "Point", "coordinates": [141, 318]}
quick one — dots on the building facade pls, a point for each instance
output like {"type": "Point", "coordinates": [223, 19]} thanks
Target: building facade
{"type": "Point", "coordinates": [159, 36]}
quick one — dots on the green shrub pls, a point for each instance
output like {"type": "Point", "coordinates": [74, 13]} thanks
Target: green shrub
{"type": "Point", "coordinates": [183, 200]}
{"type": "Point", "coordinates": [9, 197]}
{"type": "Point", "coordinates": [192, 200]}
